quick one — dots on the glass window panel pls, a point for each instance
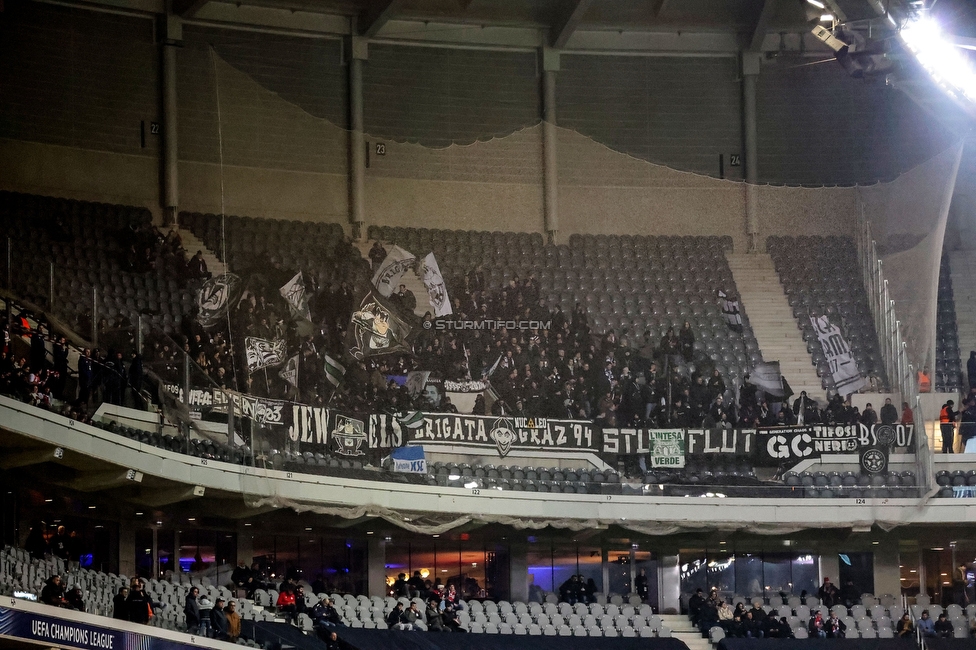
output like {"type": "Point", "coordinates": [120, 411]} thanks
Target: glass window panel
{"type": "Point", "coordinates": [748, 574]}
{"type": "Point", "coordinates": [721, 571]}
{"type": "Point", "coordinates": [806, 573]}
{"type": "Point", "coordinates": [693, 573]}
{"type": "Point", "coordinates": [859, 569]}
{"type": "Point", "coordinates": [644, 560]}
{"type": "Point", "coordinates": [908, 561]}
{"type": "Point", "coordinates": [144, 559]}
{"type": "Point", "coordinates": [590, 566]}
{"type": "Point", "coordinates": [397, 559]}
{"type": "Point", "coordinates": [618, 571]}
{"type": "Point", "coordinates": [539, 559]}
{"type": "Point", "coordinates": [777, 574]}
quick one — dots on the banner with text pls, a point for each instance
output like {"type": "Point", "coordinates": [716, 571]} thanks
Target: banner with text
{"type": "Point", "coordinates": [785, 445]}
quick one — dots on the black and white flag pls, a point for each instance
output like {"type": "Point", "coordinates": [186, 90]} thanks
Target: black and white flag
{"type": "Point", "coordinates": [215, 298]}
{"type": "Point", "coordinates": [768, 377]}
{"type": "Point", "coordinates": [397, 262]}
{"type": "Point", "coordinates": [296, 296]}
{"type": "Point", "coordinates": [262, 353]}
{"type": "Point", "coordinates": [440, 302]}
{"type": "Point", "coordinates": [843, 368]}
{"type": "Point", "coordinates": [290, 372]}
{"type": "Point", "coordinates": [730, 309]}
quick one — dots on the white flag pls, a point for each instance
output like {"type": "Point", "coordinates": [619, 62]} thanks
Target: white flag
{"type": "Point", "coordinates": [843, 368]}
{"type": "Point", "coordinates": [768, 377]}
{"type": "Point", "coordinates": [394, 265]}
{"type": "Point", "coordinates": [290, 372]}
{"type": "Point", "coordinates": [262, 353]}
{"type": "Point", "coordinates": [294, 292]}
{"type": "Point", "coordinates": [434, 282]}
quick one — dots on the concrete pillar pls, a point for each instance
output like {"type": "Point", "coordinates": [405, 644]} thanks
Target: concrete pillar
{"type": "Point", "coordinates": [550, 66]}
{"type": "Point", "coordinates": [750, 73]}
{"type": "Point", "coordinates": [669, 584]}
{"type": "Point", "coordinates": [127, 547]}
{"type": "Point", "coordinates": [376, 567]}
{"type": "Point", "coordinates": [357, 142]}
{"type": "Point", "coordinates": [887, 574]}
{"type": "Point", "coordinates": [829, 566]}
{"type": "Point", "coordinates": [245, 546]}
{"type": "Point", "coordinates": [171, 190]}
{"type": "Point", "coordinates": [518, 566]}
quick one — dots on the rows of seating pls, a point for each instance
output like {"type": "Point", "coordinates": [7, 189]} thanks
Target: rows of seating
{"type": "Point", "coordinates": [872, 618]}
{"type": "Point", "coordinates": [853, 485]}
{"type": "Point", "coordinates": [627, 284]}
{"type": "Point", "coordinates": [948, 360]}
{"type": "Point", "coordinates": [607, 617]}
{"type": "Point", "coordinates": [245, 241]}
{"type": "Point", "coordinates": [79, 239]}
{"type": "Point", "coordinates": [821, 276]}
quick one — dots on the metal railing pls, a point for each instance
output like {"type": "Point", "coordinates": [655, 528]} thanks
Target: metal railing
{"type": "Point", "coordinates": [902, 373]}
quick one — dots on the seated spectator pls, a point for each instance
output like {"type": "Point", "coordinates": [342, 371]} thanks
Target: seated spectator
{"type": "Point", "coordinates": [836, 629]}
{"type": "Point", "coordinates": [400, 587]}
{"type": "Point", "coordinates": [233, 621]}
{"type": "Point", "coordinates": [435, 620]}
{"type": "Point", "coordinates": [286, 602]}
{"type": "Point", "coordinates": [778, 628]}
{"type": "Point", "coordinates": [751, 628]}
{"type": "Point", "coordinates": [118, 604]}
{"type": "Point", "coordinates": [394, 620]}
{"type": "Point", "coordinates": [942, 627]}
{"type": "Point", "coordinates": [332, 641]}
{"type": "Point", "coordinates": [416, 584]}
{"type": "Point", "coordinates": [904, 626]}
{"type": "Point", "coordinates": [726, 615]}
{"type": "Point", "coordinates": [817, 626]}
{"type": "Point", "coordinates": [75, 600]}
{"type": "Point", "coordinates": [449, 613]}
{"type": "Point", "coordinates": [196, 267]}
{"type": "Point", "coordinates": [325, 614]}
{"type": "Point", "coordinates": [410, 617]}
{"type": "Point", "coordinates": [926, 625]}
{"type": "Point", "coordinates": [53, 592]}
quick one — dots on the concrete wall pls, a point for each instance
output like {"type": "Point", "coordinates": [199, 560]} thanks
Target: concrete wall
{"type": "Point", "coordinates": [679, 112]}
{"type": "Point", "coordinates": [819, 126]}
{"type": "Point", "coordinates": [463, 144]}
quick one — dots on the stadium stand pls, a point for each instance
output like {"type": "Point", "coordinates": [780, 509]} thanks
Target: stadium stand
{"type": "Point", "coordinates": [948, 360]}
{"type": "Point", "coordinates": [113, 249]}
{"type": "Point", "coordinates": [821, 277]}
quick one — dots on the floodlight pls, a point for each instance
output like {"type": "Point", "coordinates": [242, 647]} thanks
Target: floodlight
{"type": "Point", "coordinates": [817, 4]}
{"type": "Point", "coordinates": [948, 66]}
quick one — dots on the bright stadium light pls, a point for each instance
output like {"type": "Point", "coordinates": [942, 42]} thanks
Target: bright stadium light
{"type": "Point", "coordinates": [817, 4]}
{"type": "Point", "coordinates": [942, 59]}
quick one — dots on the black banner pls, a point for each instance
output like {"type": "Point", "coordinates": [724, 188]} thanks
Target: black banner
{"type": "Point", "coordinates": [738, 443]}
{"type": "Point", "coordinates": [505, 434]}
{"type": "Point", "coordinates": [791, 444]}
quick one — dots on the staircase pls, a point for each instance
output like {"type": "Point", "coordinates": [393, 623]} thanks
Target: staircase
{"type": "Point", "coordinates": [771, 317]}
{"type": "Point", "coordinates": [192, 244]}
{"type": "Point", "coordinates": [412, 282]}
{"type": "Point", "coordinates": [962, 266]}
{"type": "Point", "coordinates": [682, 629]}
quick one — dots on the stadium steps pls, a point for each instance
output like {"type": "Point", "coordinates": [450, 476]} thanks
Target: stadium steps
{"type": "Point", "coordinates": [192, 244]}
{"type": "Point", "coordinates": [413, 283]}
{"type": "Point", "coordinates": [772, 321]}
{"type": "Point", "coordinates": [962, 267]}
{"type": "Point", "coordinates": [683, 630]}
